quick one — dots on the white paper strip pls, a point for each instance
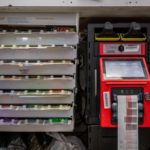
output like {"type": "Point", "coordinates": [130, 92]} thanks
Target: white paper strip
{"type": "Point", "coordinates": [127, 122]}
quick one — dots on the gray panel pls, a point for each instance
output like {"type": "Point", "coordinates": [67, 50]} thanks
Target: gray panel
{"type": "Point", "coordinates": [37, 38]}
{"type": "Point", "coordinates": [35, 113]}
{"type": "Point", "coordinates": [74, 5]}
{"type": "Point", "coordinates": [57, 52]}
{"type": "Point", "coordinates": [39, 18]}
{"type": "Point", "coordinates": [14, 99]}
{"type": "Point", "coordinates": [37, 84]}
{"type": "Point", "coordinates": [98, 9]}
{"type": "Point", "coordinates": [53, 69]}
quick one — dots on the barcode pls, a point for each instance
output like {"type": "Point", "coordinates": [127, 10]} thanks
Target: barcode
{"type": "Point", "coordinates": [131, 119]}
{"type": "Point", "coordinates": [131, 127]}
{"type": "Point", "coordinates": [109, 52]}
{"type": "Point", "coordinates": [130, 47]}
{"type": "Point", "coordinates": [132, 104]}
{"type": "Point", "coordinates": [106, 100]}
{"type": "Point", "coordinates": [131, 112]}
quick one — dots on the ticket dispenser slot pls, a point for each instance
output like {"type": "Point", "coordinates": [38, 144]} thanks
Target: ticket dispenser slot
{"type": "Point", "coordinates": [115, 92]}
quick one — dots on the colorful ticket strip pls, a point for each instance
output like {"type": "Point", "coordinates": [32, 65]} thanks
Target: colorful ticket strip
{"type": "Point", "coordinates": [36, 92]}
{"type": "Point", "coordinates": [52, 121]}
{"type": "Point", "coordinates": [48, 29]}
{"type": "Point", "coordinates": [35, 46]}
{"type": "Point", "coordinates": [35, 107]}
{"type": "Point", "coordinates": [38, 62]}
{"type": "Point", "coordinates": [51, 77]}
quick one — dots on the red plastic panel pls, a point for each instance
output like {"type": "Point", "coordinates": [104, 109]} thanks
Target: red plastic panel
{"type": "Point", "coordinates": [107, 85]}
{"type": "Point", "coordinates": [122, 49]}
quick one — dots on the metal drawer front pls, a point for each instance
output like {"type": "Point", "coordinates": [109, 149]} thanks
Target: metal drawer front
{"type": "Point", "coordinates": [37, 128]}
{"type": "Point", "coordinates": [39, 69]}
{"type": "Point", "coordinates": [35, 38]}
{"type": "Point", "coordinates": [15, 99]}
{"type": "Point", "coordinates": [35, 113]}
{"type": "Point", "coordinates": [37, 84]}
{"type": "Point", "coordinates": [38, 53]}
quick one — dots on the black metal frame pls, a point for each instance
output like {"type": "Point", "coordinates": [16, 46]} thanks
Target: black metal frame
{"type": "Point", "coordinates": [100, 138]}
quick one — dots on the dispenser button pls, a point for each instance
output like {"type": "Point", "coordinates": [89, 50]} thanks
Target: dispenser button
{"type": "Point", "coordinates": [121, 48]}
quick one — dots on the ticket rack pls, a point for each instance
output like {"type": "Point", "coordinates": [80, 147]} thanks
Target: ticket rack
{"type": "Point", "coordinates": [38, 55]}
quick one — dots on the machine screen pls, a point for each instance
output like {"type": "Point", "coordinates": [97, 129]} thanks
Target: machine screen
{"type": "Point", "coordinates": [124, 69]}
